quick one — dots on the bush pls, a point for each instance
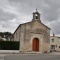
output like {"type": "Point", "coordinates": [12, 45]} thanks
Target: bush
{"type": "Point", "coordinates": [9, 45]}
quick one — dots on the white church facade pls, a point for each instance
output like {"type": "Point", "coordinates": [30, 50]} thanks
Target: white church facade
{"type": "Point", "coordinates": [33, 36]}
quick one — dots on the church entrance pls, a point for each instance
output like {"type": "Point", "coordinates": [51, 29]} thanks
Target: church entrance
{"type": "Point", "coordinates": [35, 44]}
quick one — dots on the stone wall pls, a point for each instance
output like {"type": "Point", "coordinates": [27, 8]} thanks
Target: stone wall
{"type": "Point", "coordinates": [32, 30]}
{"type": "Point", "coordinates": [17, 35]}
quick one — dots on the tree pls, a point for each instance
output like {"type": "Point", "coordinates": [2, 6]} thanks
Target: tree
{"type": "Point", "coordinates": [5, 35]}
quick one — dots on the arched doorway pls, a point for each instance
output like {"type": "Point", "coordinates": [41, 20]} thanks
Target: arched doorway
{"type": "Point", "coordinates": [35, 44]}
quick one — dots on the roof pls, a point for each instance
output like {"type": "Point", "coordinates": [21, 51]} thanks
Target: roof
{"type": "Point", "coordinates": [55, 36]}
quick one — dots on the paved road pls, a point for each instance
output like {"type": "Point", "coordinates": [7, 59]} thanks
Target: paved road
{"type": "Point", "coordinates": [2, 56]}
{"type": "Point", "coordinates": [32, 57]}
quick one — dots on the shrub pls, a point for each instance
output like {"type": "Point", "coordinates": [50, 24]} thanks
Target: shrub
{"type": "Point", "coordinates": [9, 45]}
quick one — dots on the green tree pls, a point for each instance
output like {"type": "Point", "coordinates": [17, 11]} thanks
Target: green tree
{"type": "Point", "coordinates": [5, 35]}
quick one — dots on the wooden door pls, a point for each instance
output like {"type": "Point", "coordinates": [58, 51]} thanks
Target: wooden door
{"type": "Point", "coordinates": [35, 44]}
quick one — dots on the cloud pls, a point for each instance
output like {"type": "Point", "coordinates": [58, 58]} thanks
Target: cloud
{"type": "Point", "coordinates": [55, 25]}
{"type": "Point", "coordinates": [52, 13]}
{"type": "Point", "coordinates": [5, 16]}
{"type": "Point", "coordinates": [20, 11]}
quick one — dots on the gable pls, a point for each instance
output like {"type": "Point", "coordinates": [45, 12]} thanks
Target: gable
{"type": "Point", "coordinates": [38, 25]}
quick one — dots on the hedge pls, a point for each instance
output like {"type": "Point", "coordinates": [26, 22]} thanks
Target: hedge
{"type": "Point", "coordinates": [9, 45]}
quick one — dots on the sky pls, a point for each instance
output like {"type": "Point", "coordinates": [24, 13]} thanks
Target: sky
{"type": "Point", "coordinates": [15, 12]}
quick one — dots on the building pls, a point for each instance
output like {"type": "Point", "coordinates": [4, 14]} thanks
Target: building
{"type": "Point", "coordinates": [54, 43]}
{"type": "Point", "coordinates": [34, 36]}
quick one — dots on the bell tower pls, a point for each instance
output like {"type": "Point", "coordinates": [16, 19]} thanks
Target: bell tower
{"type": "Point", "coordinates": [36, 16]}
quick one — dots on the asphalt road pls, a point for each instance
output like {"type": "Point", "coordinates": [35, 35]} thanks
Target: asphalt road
{"type": "Point", "coordinates": [2, 57]}
{"type": "Point", "coordinates": [32, 57]}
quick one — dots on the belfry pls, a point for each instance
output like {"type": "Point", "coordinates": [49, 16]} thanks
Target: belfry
{"type": "Point", "coordinates": [36, 16]}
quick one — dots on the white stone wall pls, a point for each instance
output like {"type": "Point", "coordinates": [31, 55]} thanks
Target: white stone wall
{"type": "Point", "coordinates": [56, 42]}
{"type": "Point", "coordinates": [32, 30]}
{"type": "Point", "coordinates": [28, 31]}
{"type": "Point", "coordinates": [22, 36]}
{"type": "Point", "coordinates": [17, 35]}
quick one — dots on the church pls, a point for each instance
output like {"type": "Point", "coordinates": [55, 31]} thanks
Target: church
{"type": "Point", "coordinates": [33, 36]}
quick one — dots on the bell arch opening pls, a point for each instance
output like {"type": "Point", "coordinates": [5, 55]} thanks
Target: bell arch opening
{"type": "Point", "coordinates": [35, 44]}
